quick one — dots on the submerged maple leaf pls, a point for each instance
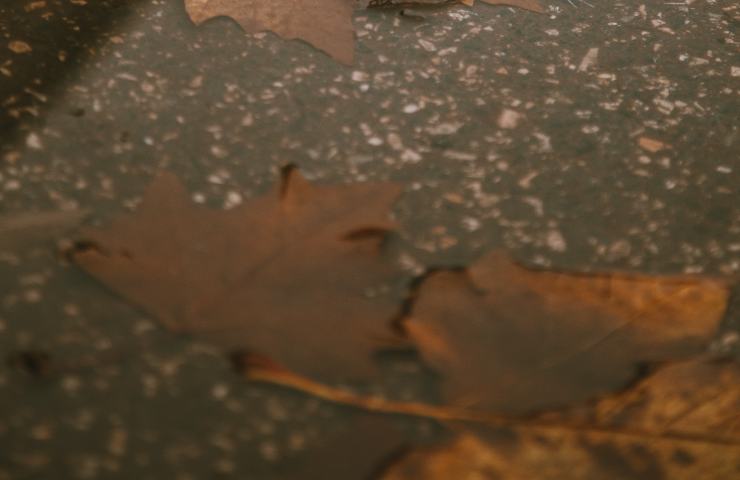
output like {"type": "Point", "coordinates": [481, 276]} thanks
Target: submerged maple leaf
{"type": "Point", "coordinates": [681, 423]}
{"type": "Point", "coordinates": [289, 275]}
{"type": "Point", "coordinates": [325, 24]}
{"type": "Point", "coordinates": [512, 339]}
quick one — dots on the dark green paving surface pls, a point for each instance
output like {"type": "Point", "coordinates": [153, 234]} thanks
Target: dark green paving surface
{"type": "Point", "coordinates": [509, 129]}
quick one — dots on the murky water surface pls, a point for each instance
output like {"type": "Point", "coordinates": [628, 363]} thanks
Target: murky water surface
{"type": "Point", "coordinates": [587, 138]}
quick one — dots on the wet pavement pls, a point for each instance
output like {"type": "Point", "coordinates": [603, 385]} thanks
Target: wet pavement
{"type": "Point", "coordinates": [587, 138]}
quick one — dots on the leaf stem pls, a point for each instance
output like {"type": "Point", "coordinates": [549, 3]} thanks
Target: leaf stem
{"type": "Point", "coordinates": [286, 379]}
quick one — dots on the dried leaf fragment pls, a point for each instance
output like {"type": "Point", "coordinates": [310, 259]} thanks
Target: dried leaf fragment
{"type": "Point", "coordinates": [288, 275]}
{"type": "Point", "coordinates": [558, 455]}
{"type": "Point", "coordinates": [699, 397]}
{"type": "Point", "coordinates": [651, 145]}
{"type": "Point", "coordinates": [19, 46]}
{"type": "Point", "coordinates": [687, 398]}
{"type": "Point", "coordinates": [511, 339]}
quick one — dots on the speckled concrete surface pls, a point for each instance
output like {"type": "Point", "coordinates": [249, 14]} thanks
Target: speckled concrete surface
{"type": "Point", "coordinates": [585, 138]}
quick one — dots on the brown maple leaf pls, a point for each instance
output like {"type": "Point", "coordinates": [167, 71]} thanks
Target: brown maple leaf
{"type": "Point", "coordinates": [325, 24]}
{"type": "Point", "coordinates": [511, 339]}
{"type": "Point", "coordinates": [293, 275]}
{"type": "Point", "coordinates": [681, 423]}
